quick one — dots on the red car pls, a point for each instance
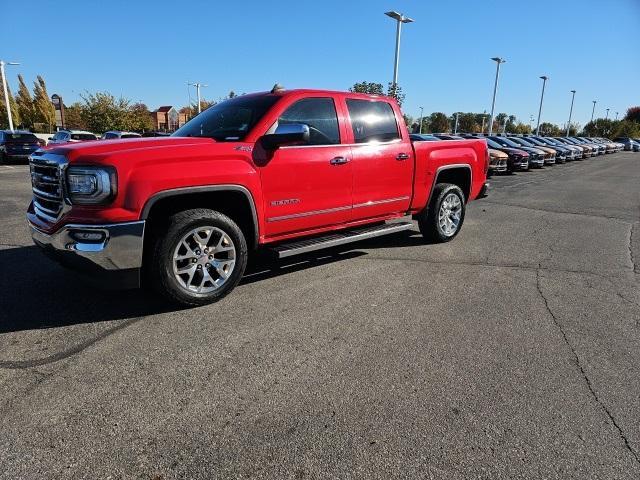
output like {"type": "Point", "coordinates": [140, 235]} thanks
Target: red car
{"type": "Point", "coordinates": [290, 171]}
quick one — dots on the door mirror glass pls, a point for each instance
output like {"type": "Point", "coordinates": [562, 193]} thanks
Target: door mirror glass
{"type": "Point", "coordinates": [285, 135]}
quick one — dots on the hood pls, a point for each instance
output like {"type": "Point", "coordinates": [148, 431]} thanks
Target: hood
{"type": "Point", "coordinates": [498, 154]}
{"type": "Point", "coordinates": [98, 150]}
{"type": "Point", "coordinates": [514, 151]}
{"type": "Point", "coordinates": [546, 149]}
{"type": "Point", "coordinates": [534, 150]}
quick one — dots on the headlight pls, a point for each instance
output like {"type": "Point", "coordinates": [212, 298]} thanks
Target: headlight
{"type": "Point", "coordinates": [91, 185]}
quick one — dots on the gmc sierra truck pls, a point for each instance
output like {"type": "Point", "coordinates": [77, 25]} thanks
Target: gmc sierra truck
{"type": "Point", "coordinates": [289, 171]}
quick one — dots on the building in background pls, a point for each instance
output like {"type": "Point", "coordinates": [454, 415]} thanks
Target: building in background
{"type": "Point", "coordinates": [167, 119]}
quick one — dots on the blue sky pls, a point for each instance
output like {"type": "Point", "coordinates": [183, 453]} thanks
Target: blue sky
{"type": "Point", "coordinates": [148, 50]}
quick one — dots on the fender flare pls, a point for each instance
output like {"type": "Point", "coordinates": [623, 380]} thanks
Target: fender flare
{"type": "Point", "coordinates": [451, 167]}
{"type": "Point", "coordinates": [174, 192]}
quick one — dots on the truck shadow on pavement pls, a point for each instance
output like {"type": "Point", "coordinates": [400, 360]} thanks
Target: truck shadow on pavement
{"type": "Point", "coordinates": [36, 293]}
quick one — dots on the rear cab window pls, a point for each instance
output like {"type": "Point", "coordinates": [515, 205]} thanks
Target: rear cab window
{"type": "Point", "coordinates": [372, 121]}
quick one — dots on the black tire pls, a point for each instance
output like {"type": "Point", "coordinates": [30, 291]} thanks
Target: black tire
{"type": "Point", "coordinates": [428, 218]}
{"type": "Point", "coordinates": [161, 276]}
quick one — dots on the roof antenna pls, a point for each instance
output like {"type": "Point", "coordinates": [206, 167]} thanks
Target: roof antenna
{"type": "Point", "coordinates": [277, 88]}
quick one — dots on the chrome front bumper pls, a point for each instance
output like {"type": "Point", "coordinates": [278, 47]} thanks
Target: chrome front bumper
{"type": "Point", "coordinates": [113, 259]}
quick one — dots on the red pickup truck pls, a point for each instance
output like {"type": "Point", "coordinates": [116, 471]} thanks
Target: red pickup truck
{"type": "Point", "coordinates": [290, 171]}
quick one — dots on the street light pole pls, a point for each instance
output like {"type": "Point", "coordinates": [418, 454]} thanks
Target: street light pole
{"type": "Point", "coordinates": [607, 117]}
{"type": "Point", "coordinates": [504, 127]}
{"type": "Point", "coordinates": [484, 114]}
{"type": "Point", "coordinates": [593, 109]}
{"type": "Point", "coordinates": [573, 96]}
{"type": "Point", "coordinates": [498, 61]}
{"type": "Point", "coordinates": [421, 113]}
{"type": "Point", "coordinates": [6, 91]}
{"type": "Point", "coordinates": [400, 19]}
{"type": "Point", "coordinates": [616, 116]}
{"type": "Point", "coordinates": [198, 85]}
{"type": "Point", "coordinates": [455, 128]}
{"type": "Point", "coordinates": [544, 82]}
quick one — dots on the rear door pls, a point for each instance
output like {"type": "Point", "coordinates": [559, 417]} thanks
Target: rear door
{"type": "Point", "coordinates": [383, 161]}
{"type": "Point", "coordinates": [308, 187]}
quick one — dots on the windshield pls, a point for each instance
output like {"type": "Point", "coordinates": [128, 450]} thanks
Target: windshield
{"type": "Point", "coordinates": [522, 141]}
{"type": "Point", "coordinates": [492, 144]}
{"type": "Point", "coordinates": [229, 121]}
{"type": "Point", "coordinates": [505, 142]}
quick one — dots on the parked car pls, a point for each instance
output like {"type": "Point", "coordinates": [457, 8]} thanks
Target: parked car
{"type": "Point", "coordinates": [575, 152]}
{"type": "Point", "coordinates": [277, 170]}
{"type": "Point", "coordinates": [617, 146]}
{"type": "Point", "coordinates": [156, 134]}
{"type": "Point", "coordinates": [422, 137]}
{"type": "Point", "coordinates": [586, 150]}
{"type": "Point", "coordinates": [566, 154]}
{"type": "Point", "coordinates": [595, 148]}
{"type": "Point", "coordinates": [497, 159]}
{"type": "Point", "coordinates": [560, 154]}
{"type": "Point", "coordinates": [516, 159]}
{"type": "Point", "coordinates": [17, 145]}
{"type": "Point", "coordinates": [536, 156]}
{"type": "Point", "coordinates": [549, 153]}
{"type": "Point", "coordinates": [71, 136]}
{"type": "Point", "coordinates": [117, 135]}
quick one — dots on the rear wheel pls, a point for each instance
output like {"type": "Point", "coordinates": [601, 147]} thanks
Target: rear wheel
{"type": "Point", "coordinates": [201, 257]}
{"type": "Point", "coordinates": [442, 219]}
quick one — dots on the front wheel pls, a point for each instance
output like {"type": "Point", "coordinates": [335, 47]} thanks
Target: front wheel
{"type": "Point", "coordinates": [201, 257]}
{"type": "Point", "coordinates": [442, 219]}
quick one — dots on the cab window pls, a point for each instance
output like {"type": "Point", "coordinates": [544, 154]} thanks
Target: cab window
{"type": "Point", "coordinates": [372, 121]}
{"type": "Point", "coordinates": [319, 114]}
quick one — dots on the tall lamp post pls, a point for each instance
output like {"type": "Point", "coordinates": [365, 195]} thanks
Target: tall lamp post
{"type": "Point", "coordinates": [573, 96]}
{"type": "Point", "coordinates": [498, 61]}
{"type": "Point", "coordinates": [484, 114]}
{"type": "Point", "coordinates": [593, 110]}
{"type": "Point", "coordinates": [607, 117]}
{"type": "Point", "coordinates": [198, 86]}
{"type": "Point", "coordinates": [616, 116]}
{"type": "Point", "coordinates": [544, 82]}
{"type": "Point", "coordinates": [6, 91]}
{"type": "Point", "coordinates": [400, 19]}
{"type": "Point", "coordinates": [455, 128]}
{"type": "Point", "coordinates": [421, 116]}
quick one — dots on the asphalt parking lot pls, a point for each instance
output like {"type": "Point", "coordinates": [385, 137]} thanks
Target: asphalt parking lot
{"type": "Point", "coordinates": [512, 352]}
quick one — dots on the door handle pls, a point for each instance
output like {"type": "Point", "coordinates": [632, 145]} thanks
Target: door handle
{"type": "Point", "coordinates": [339, 161]}
{"type": "Point", "coordinates": [402, 156]}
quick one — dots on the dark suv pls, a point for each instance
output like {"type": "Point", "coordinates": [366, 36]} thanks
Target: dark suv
{"type": "Point", "coordinates": [17, 145]}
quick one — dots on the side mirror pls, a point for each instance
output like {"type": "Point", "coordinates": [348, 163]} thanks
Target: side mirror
{"type": "Point", "coordinates": [286, 134]}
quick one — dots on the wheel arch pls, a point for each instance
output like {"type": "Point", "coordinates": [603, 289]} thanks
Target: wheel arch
{"type": "Point", "coordinates": [242, 208]}
{"type": "Point", "coordinates": [459, 174]}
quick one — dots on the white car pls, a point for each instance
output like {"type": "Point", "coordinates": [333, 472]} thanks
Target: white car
{"type": "Point", "coordinates": [71, 136]}
{"type": "Point", "coordinates": [117, 134]}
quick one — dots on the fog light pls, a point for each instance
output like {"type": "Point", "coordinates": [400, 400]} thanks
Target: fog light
{"type": "Point", "coordinates": [88, 236]}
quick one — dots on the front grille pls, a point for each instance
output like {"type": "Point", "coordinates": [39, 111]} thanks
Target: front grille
{"type": "Point", "coordinates": [46, 183]}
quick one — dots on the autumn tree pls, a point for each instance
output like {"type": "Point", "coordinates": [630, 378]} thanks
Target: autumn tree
{"type": "Point", "coordinates": [139, 118]}
{"type": "Point", "coordinates": [102, 111]}
{"type": "Point", "coordinates": [25, 104]}
{"type": "Point", "coordinates": [73, 117]}
{"type": "Point", "coordinates": [633, 114]}
{"type": "Point", "coordinates": [43, 111]}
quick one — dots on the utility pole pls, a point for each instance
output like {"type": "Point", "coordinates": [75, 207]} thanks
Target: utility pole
{"type": "Point", "coordinates": [400, 19]}
{"type": "Point", "coordinates": [544, 82]}
{"type": "Point", "coordinates": [198, 86]}
{"type": "Point", "coordinates": [498, 61]}
{"type": "Point", "coordinates": [6, 91]}
{"type": "Point", "coordinates": [421, 114]}
{"type": "Point", "coordinates": [573, 96]}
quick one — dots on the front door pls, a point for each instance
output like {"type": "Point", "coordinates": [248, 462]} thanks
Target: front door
{"type": "Point", "coordinates": [309, 186]}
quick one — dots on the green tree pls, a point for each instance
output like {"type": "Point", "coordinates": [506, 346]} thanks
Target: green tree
{"type": "Point", "coordinates": [395, 91]}
{"type": "Point", "coordinates": [626, 128]}
{"type": "Point", "coordinates": [519, 128]}
{"type": "Point", "coordinates": [467, 123]}
{"type": "Point", "coordinates": [101, 112]}
{"type": "Point", "coordinates": [15, 114]}
{"type": "Point", "coordinates": [43, 110]}
{"type": "Point", "coordinates": [600, 127]}
{"type": "Point", "coordinates": [367, 87]}
{"type": "Point", "coordinates": [438, 122]}
{"type": "Point", "coordinates": [25, 104]}
{"type": "Point", "coordinates": [73, 116]}
{"type": "Point", "coordinates": [550, 130]}
{"type": "Point", "coordinates": [139, 118]}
